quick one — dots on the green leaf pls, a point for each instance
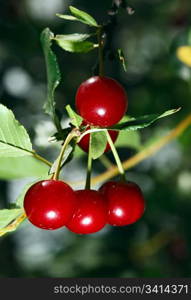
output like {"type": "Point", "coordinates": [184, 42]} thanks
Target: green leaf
{"type": "Point", "coordinates": [75, 42]}
{"type": "Point", "coordinates": [125, 119]}
{"type": "Point", "coordinates": [53, 75]}
{"type": "Point", "coordinates": [14, 140]}
{"type": "Point", "coordinates": [98, 143]}
{"type": "Point", "coordinates": [67, 17]}
{"type": "Point", "coordinates": [83, 17]}
{"type": "Point", "coordinates": [76, 120]}
{"type": "Point", "coordinates": [122, 59]}
{"type": "Point", "coordinates": [128, 139]}
{"type": "Point", "coordinates": [144, 121]}
{"type": "Point", "coordinates": [9, 215]}
{"type": "Point", "coordinates": [20, 167]}
{"type": "Point", "coordinates": [75, 37]}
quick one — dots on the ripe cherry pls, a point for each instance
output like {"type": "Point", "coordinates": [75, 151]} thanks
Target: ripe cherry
{"type": "Point", "coordinates": [125, 202]}
{"type": "Point", "coordinates": [90, 214]}
{"type": "Point", "coordinates": [84, 142]}
{"type": "Point", "coordinates": [101, 101]}
{"type": "Point", "coordinates": [49, 204]}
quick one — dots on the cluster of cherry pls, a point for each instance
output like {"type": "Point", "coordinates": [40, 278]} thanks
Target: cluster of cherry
{"type": "Point", "coordinates": [52, 204]}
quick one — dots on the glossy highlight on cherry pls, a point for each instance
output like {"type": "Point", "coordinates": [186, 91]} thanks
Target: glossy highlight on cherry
{"type": "Point", "coordinates": [49, 204]}
{"type": "Point", "coordinates": [90, 215]}
{"type": "Point", "coordinates": [125, 202]}
{"type": "Point", "coordinates": [101, 101]}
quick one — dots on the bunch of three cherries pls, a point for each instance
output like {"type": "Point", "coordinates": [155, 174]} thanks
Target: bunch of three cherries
{"type": "Point", "coordinates": [52, 204]}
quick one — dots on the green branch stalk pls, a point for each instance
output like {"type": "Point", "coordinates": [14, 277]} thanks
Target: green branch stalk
{"type": "Point", "coordinates": [70, 136]}
{"type": "Point", "coordinates": [89, 131]}
{"type": "Point", "coordinates": [116, 156]}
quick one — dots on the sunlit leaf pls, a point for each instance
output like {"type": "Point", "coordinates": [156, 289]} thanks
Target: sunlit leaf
{"type": "Point", "coordinates": [98, 144]}
{"type": "Point", "coordinates": [75, 42]}
{"type": "Point", "coordinates": [83, 17]}
{"type": "Point", "coordinates": [14, 139]}
{"type": "Point", "coordinates": [67, 17]}
{"type": "Point", "coordinates": [20, 167]}
{"type": "Point", "coordinates": [76, 120]}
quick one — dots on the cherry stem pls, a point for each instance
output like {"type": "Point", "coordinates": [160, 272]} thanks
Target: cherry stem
{"type": "Point", "coordinates": [100, 51]}
{"type": "Point", "coordinates": [116, 156]}
{"type": "Point", "coordinates": [89, 131]}
{"type": "Point", "coordinates": [89, 167]}
{"type": "Point", "coordinates": [70, 136]}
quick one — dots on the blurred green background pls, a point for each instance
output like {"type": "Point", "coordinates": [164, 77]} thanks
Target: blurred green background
{"type": "Point", "coordinates": [159, 244]}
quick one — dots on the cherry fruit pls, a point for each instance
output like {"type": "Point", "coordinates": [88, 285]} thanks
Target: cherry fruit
{"type": "Point", "coordinates": [84, 142]}
{"type": "Point", "coordinates": [49, 204]}
{"type": "Point", "coordinates": [101, 101]}
{"type": "Point", "coordinates": [125, 202]}
{"type": "Point", "coordinates": [90, 214]}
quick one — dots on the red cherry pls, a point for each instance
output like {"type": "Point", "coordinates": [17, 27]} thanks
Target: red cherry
{"type": "Point", "coordinates": [49, 204]}
{"type": "Point", "coordinates": [90, 214]}
{"type": "Point", "coordinates": [101, 101]}
{"type": "Point", "coordinates": [125, 202]}
{"type": "Point", "coordinates": [84, 142]}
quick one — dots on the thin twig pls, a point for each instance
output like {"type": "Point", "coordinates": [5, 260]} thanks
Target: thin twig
{"type": "Point", "coordinates": [70, 136]}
